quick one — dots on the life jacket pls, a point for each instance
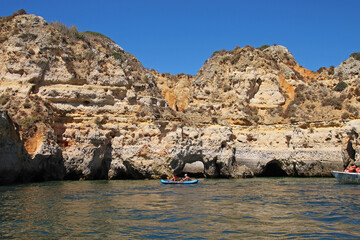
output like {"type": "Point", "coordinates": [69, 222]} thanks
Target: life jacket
{"type": "Point", "coordinates": [358, 170]}
{"type": "Point", "coordinates": [346, 170]}
{"type": "Point", "coordinates": [352, 168]}
{"type": "Point", "coordinates": [176, 178]}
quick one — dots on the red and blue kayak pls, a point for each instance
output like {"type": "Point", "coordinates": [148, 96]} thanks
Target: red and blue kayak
{"type": "Point", "coordinates": [179, 182]}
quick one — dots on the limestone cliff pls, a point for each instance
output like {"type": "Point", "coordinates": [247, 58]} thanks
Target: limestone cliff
{"type": "Point", "coordinates": [87, 109]}
{"type": "Point", "coordinates": [12, 154]}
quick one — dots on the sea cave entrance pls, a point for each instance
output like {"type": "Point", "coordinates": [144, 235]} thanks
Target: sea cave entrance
{"type": "Point", "coordinates": [273, 169]}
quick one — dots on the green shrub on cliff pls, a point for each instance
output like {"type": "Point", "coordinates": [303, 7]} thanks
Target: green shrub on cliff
{"type": "Point", "coordinates": [117, 56]}
{"type": "Point", "coordinates": [333, 101]}
{"type": "Point", "coordinates": [355, 55]}
{"type": "Point", "coordinates": [263, 47]}
{"type": "Point", "coordinates": [290, 111]}
{"type": "Point", "coordinates": [79, 35]}
{"type": "Point", "coordinates": [28, 36]}
{"type": "Point", "coordinates": [340, 86]}
{"type": "Point", "coordinates": [72, 32]}
{"type": "Point", "coordinates": [218, 52]}
{"type": "Point", "coordinates": [98, 35]}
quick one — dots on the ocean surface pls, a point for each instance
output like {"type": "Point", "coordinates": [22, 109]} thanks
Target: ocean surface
{"type": "Point", "coordinates": [258, 208]}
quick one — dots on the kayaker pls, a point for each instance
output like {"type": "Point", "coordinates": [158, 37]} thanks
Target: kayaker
{"type": "Point", "coordinates": [174, 178]}
{"type": "Point", "coordinates": [186, 178]}
{"type": "Point", "coordinates": [351, 168]}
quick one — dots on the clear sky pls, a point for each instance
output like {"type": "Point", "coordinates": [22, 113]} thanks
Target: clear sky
{"type": "Point", "coordinates": [177, 36]}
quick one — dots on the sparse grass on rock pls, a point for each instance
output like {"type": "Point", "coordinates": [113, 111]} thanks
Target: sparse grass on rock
{"type": "Point", "coordinates": [355, 55]}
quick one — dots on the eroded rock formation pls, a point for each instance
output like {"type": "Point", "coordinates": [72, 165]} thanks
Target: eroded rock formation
{"type": "Point", "coordinates": [87, 109]}
{"type": "Point", "coordinates": [12, 154]}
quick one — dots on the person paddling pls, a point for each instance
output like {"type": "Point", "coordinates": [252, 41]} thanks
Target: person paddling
{"type": "Point", "coordinates": [186, 178]}
{"type": "Point", "coordinates": [174, 178]}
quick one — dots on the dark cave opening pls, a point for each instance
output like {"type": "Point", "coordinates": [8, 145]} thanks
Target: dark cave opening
{"type": "Point", "coordinates": [273, 169]}
{"type": "Point", "coordinates": [350, 150]}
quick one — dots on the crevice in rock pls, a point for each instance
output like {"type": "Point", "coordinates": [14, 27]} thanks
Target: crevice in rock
{"type": "Point", "coordinates": [39, 81]}
{"type": "Point", "coordinates": [350, 150]}
{"type": "Point", "coordinates": [255, 86]}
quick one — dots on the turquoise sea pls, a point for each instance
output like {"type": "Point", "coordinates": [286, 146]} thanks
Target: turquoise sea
{"type": "Point", "coordinates": [258, 208]}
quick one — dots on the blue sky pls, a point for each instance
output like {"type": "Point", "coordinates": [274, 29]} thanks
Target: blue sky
{"type": "Point", "coordinates": [178, 36]}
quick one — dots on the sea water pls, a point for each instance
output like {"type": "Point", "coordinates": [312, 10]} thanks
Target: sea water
{"type": "Point", "coordinates": [257, 208]}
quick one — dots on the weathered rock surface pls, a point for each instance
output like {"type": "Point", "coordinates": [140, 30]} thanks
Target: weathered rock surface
{"type": "Point", "coordinates": [20, 162]}
{"type": "Point", "coordinates": [349, 69]}
{"type": "Point", "coordinates": [87, 109]}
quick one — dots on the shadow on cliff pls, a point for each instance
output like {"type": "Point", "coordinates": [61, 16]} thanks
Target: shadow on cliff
{"type": "Point", "coordinates": [93, 163]}
{"type": "Point", "coordinates": [349, 153]}
{"type": "Point", "coordinates": [18, 165]}
{"type": "Point", "coordinates": [43, 167]}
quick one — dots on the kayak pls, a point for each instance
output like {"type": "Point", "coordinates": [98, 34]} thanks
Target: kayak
{"type": "Point", "coordinates": [179, 182]}
{"type": "Point", "coordinates": [347, 178]}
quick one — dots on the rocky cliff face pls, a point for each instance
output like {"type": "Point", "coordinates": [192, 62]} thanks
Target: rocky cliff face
{"type": "Point", "coordinates": [12, 154]}
{"type": "Point", "coordinates": [87, 109]}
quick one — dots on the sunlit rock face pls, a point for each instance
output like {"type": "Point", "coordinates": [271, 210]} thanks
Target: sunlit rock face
{"type": "Point", "coordinates": [87, 109]}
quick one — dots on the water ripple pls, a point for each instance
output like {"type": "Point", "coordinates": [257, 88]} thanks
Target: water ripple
{"type": "Point", "coordinates": [259, 208]}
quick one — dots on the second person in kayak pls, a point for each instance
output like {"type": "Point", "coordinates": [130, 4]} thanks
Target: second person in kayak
{"type": "Point", "coordinates": [186, 178]}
